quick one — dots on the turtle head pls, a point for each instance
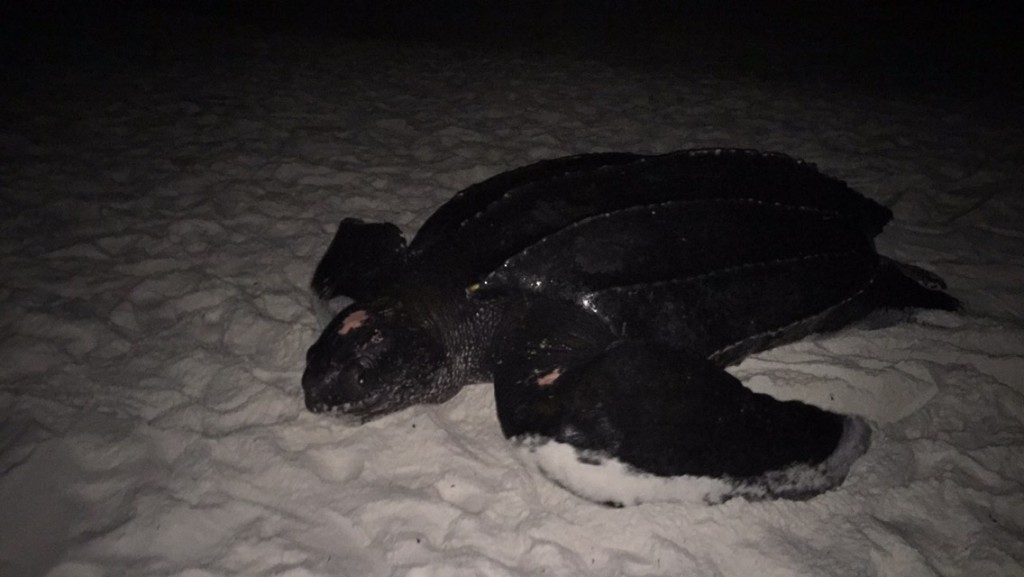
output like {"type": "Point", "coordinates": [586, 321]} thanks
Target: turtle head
{"type": "Point", "coordinates": [376, 359]}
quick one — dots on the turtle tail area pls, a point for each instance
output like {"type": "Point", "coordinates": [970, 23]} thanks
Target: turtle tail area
{"type": "Point", "coordinates": [904, 286]}
{"type": "Point", "coordinates": [896, 290]}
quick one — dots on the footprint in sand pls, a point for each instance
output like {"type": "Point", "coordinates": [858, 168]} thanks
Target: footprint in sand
{"type": "Point", "coordinates": [332, 465]}
{"type": "Point", "coordinates": [464, 493]}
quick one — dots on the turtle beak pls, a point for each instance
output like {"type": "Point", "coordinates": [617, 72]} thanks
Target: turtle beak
{"type": "Point", "coordinates": [336, 387]}
{"type": "Point", "coordinates": [331, 383]}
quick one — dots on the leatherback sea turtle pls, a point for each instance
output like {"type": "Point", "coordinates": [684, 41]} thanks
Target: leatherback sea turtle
{"type": "Point", "coordinates": [603, 294]}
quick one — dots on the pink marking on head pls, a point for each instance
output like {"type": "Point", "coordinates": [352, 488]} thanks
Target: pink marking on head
{"type": "Point", "coordinates": [353, 321]}
{"type": "Point", "coordinates": [550, 378]}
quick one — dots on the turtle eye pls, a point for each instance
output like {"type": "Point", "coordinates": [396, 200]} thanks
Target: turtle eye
{"type": "Point", "coordinates": [370, 352]}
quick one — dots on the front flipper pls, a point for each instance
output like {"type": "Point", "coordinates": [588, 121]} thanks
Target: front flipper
{"type": "Point", "coordinates": [641, 422]}
{"type": "Point", "coordinates": [363, 258]}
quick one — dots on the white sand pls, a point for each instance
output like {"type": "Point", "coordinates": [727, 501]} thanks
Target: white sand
{"type": "Point", "coordinates": [161, 223]}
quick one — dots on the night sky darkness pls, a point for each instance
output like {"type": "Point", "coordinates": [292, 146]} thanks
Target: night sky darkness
{"type": "Point", "coordinates": [963, 49]}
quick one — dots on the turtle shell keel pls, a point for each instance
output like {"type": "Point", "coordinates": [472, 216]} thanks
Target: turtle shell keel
{"type": "Point", "coordinates": [603, 294]}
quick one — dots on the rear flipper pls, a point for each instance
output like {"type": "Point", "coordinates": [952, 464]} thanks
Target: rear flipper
{"type": "Point", "coordinates": [896, 291]}
{"type": "Point", "coordinates": [363, 258]}
{"type": "Point", "coordinates": [644, 422]}
{"type": "Point", "coordinates": [902, 286]}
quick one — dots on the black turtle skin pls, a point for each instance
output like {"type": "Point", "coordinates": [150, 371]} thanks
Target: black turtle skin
{"type": "Point", "coordinates": [603, 294]}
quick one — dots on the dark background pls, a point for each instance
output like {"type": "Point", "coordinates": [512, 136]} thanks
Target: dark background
{"type": "Point", "coordinates": [966, 48]}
